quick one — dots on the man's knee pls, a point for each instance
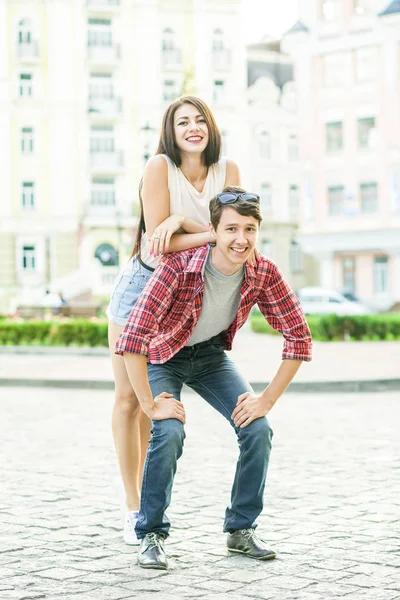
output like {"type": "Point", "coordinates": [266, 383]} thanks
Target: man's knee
{"type": "Point", "coordinates": [169, 431]}
{"type": "Point", "coordinates": [258, 430]}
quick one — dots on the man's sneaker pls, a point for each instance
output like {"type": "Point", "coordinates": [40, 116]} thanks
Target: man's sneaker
{"type": "Point", "coordinates": [247, 542]}
{"type": "Point", "coordinates": [129, 528]}
{"type": "Point", "coordinates": [151, 552]}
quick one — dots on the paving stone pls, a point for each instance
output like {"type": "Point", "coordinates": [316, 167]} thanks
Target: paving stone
{"type": "Point", "coordinates": [329, 513]}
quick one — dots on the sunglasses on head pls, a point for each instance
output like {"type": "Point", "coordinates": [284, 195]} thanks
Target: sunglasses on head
{"type": "Point", "coordinates": [231, 197]}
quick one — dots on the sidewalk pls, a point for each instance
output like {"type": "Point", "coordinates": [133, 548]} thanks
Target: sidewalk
{"type": "Point", "coordinates": [331, 503]}
{"type": "Point", "coordinates": [346, 366]}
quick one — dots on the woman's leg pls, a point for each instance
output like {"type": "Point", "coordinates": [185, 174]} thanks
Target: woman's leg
{"type": "Point", "coordinates": [131, 427]}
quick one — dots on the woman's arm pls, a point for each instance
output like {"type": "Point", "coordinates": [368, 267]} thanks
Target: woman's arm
{"type": "Point", "coordinates": [155, 193]}
{"type": "Point", "coordinates": [191, 226]}
{"type": "Point", "coordinates": [232, 176]}
{"type": "Point", "coordinates": [184, 241]}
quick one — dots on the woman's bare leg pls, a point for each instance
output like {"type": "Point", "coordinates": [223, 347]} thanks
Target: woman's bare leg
{"type": "Point", "coordinates": [131, 427]}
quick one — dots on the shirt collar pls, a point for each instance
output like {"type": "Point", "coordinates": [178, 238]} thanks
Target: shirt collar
{"type": "Point", "coordinates": [197, 263]}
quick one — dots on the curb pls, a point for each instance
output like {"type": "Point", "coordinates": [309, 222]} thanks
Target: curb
{"type": "Point", "coordinates": [378, 385]}
{"type": "Point", "coordinates": [60, 350]}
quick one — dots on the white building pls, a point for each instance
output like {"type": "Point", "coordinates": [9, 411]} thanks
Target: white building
{"type": "Point", "coordinates": [83, 86]}
{"type": "Point", "coordinates": [347, 70]}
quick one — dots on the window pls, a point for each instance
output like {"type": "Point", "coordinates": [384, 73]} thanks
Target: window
{"type": "Point", "coordinates": [381, 275]}
{"type": "Point", "coordinates": [28, 195]}
{"type": "Point", "coordinates": [102, 138]}
{"type": "Point", "coordinates": [25, 84]}
{"type": "Point", "coordinates": [218, 40]}
{"type": "Point", "coordinates": [264, 144]}
{"type": "Point", "coordinates": [170, 92]}
{"type": "Point", "coordinates": [369, 197]}
{"type": "Point", "coordinates": [24, 32]}
{"type": "Point", "coordinates": [334, 68]}
{"type": "Point", "coordinates": [28, 258]}
{"type": "Point", "coordinates": [366, 132]}
{"type": "Point", "coordinates": [102, 192]}
{"type": "Point", "coordinates": [168, 40]}
{"type": "Point", "coordinates": [101, 86]}
{"type": "Point", "coordinates": [266, 198]}
{"type": "Point", "coordinates": [349, 274]}
{"type": "Point", "coordinates": [366, 63]}
{"type": "Point", "coordinates": [224, 141]}
{"type": "Point", "coordinates": [331, 10]}
{"type": "Point", "coordinates": [99, 32]}
{"type": "Point", "coordinates": [363, 7]}
{"type": "Point", "coordinates": [293, 148]}
{"type": "Point", "coordinates": [27, 144]}
{"type": "Point", "coordinates": [296, 258]}
{"type": "Point", "coordinates": [334, 136]}
{"type": "Point", "coordinates": [267, 248]}
{"type": "Point", "coordinates": [107, 255]}
{"type": "Point", "coordinates": [336, 200]}
{"type": "Point", "coordinates": [294, 202]}
{"type": "Point", "coordinates": [220, 54]}
{"type": "Point", "coordinates": [219, 92]}
{"type": "Point", "coordinates": [171, 54]}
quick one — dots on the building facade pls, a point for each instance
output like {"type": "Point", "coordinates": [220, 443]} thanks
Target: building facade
{"type": "Point", "coordinates": [274, 170]}
{"type": "Point", "coordinates": [83, 85]}
{"type": "Point", "coordinates": [347, 72]}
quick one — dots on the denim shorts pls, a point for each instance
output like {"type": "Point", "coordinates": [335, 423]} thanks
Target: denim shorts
{"type": "Point", "coordinates": [128, 287]}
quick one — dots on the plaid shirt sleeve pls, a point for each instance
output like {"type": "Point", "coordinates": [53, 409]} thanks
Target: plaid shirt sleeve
{"type": "Point", "coordinates": [281, 308]}
{"type": "Point", "coordinates": [153, 303]}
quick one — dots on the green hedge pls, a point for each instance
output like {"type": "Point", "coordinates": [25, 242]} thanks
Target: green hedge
{"type": "Point", "coordinates": [333, 327]}
{"type": "Point", "coordinates": [40, 333]}
{"type": "Point", "coordinates": [80, 332]}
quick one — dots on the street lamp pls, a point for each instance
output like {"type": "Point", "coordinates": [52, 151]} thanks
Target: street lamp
{"type": "Point", "coordinates": [147, 130]}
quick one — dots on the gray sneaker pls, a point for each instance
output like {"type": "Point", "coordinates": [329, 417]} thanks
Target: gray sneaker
{"type": "Point", "coordinates": [247, 542]}
{"type": "Point", "coordinates": [151, 552]}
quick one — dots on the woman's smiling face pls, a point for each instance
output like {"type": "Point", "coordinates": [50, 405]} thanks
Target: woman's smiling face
{"type": "Point", "coordinates": [190, 128]}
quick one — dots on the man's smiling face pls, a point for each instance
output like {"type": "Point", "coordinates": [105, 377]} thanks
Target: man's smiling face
{"type": "Point", "coordinates": [236, 238]}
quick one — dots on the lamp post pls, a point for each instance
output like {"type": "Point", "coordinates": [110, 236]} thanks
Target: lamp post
{"type": "Point", "coordinates": [147, 130]}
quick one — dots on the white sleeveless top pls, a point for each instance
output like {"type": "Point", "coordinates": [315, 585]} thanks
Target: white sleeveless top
{"type": "Point", "coordinates": [186, 200]}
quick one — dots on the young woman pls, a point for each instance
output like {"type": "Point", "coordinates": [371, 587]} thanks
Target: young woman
{"type": "Point", "coordinates": [178, 183]}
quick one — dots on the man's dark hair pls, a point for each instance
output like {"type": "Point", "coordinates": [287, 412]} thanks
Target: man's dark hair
{"type": "Point", "coordinates": [243, 207]}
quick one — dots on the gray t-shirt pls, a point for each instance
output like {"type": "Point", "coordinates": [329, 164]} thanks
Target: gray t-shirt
{"type": "Point", "coordinates": [220, 302]}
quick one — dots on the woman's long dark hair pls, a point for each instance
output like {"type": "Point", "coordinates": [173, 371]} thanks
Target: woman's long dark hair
{"type": "Point", "coordinates": [167, 145]}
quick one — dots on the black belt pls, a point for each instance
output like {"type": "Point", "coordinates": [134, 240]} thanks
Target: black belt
{"type": "Point", "coordinates": [144, 264]}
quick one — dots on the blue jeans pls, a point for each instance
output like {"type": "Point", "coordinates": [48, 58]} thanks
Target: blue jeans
{"type": "Point", "coordinates": [208, 371]}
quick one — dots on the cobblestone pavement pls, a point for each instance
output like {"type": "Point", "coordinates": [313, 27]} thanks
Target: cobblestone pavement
{"type": "Point", "coordinates": [332, 503]}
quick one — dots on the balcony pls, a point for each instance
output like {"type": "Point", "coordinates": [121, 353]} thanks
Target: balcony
{"type": "Point", "coordinates": [106, 212]}
{"type": "Point", "coordinates": [104, 108]}
{"type": "Point", "coordinates": [222, 59]}
{"type": "Point", "coordinates": [106, 162]}
{"type": "Point", "coordinates": [103, 5]}
{"type": "Point", "coordinates": [172, 58]}
{"type": "Point", "coordinates": [28, 52]}
{"type": "Point", "coordinates": [104, 55]}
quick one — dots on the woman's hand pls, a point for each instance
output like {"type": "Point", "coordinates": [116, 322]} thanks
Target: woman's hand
{"type": "Point", "coordinates": [253, 258]}
{"type": "Point", "coordinates": [161, 237]}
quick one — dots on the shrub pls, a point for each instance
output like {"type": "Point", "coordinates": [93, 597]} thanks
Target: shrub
{"type": "Point", "coordinates": [55, 333]}
{"type": "Point", "coordinates": [334, 327]}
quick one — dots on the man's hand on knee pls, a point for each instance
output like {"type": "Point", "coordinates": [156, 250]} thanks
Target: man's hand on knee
{"type": "Point", "coordinates": [248, 408]}
{"type": "Point", "coordinates": [166, 407]}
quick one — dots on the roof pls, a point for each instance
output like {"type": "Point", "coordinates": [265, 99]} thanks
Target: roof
{"type": "Point", "coordinates": [391, 9]}
{"type": "Point", "coordinates": [297, 28]}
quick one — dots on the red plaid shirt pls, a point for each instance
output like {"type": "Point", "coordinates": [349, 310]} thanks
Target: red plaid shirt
{"type": "Point", "coordinates": [166, 313]}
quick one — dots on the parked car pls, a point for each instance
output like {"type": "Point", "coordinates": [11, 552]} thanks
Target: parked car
{"type": "Point", "coordinates": [320, 301]}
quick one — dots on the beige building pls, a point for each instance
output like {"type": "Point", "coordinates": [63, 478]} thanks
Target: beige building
{"type": "Point", "coordinates": [83, 86]}
{"type": "Point", "coordinates": [347, 71]}
{"type": "Point", "coordinates": [273, 165]}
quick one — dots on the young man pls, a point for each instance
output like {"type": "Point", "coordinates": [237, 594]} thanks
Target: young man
{"type": "Point", "coordinates": [177, 332]}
